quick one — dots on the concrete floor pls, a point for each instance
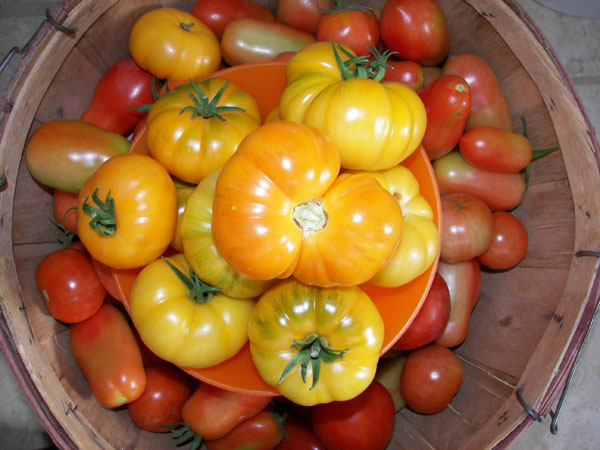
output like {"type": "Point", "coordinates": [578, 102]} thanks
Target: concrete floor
{"type": "Point", "coordinates": [577, 42]}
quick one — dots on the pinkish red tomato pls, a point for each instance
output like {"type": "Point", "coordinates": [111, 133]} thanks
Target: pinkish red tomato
{"type": "Point", "coordinates": [509, 242]}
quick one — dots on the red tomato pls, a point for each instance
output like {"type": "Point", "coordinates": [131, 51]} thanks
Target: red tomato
{"type": "Point", "coordinates": [431, 377]}
{"type": "Point", "coordinates": [299, 435]}
{"type": "Point", "coordinates": [217, 14]}
{"type": "Point", "coordinates": [492, 148]}
{"type": "Point", "coordinates": [467, 228]}
{"type": "Point", "coordinates": [355, 26]}
{"type": "Point", "coordinates": [107, 353]}
{"type": "Point", "coordinates": [365, 421]}
{"type": "Point", "coordinates": [416, 29]}
{"type": "Point", "coordinates": [447, 101]}
{"type": "Point", "coordinates": [159, 407]}
{"type": "Point", "coordinates": [302, 14]}
{"type": "Point", "coordinates": [212, 412]}
{"type": "Point", "coordinates": [260, 432]}
{"type": "Point", "coordinates": [488, 104]}
{"type": "Point", "coordinates": [431, 320]}
{"type": "Point", "coordinates": [124, 86]}
{"type": "Point", "coordinates": [464, 283]}
{"type": "Point", "coordinates": [500, 191]}
{"type": "Point", "coordinates": [408, 73]}
{"type": "Point", "coordinates": [509, 242]}
{"type": "Point", "coordinates": [69, 285]}
{"type": "Point", "coordinates": [254, 40]}
{"type": "Point", "coordinates": [64, 207]}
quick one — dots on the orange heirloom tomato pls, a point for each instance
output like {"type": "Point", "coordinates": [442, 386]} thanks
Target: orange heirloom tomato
{"type": "Point", "coordinates": [200, 249]}
{"type": "Point", "coordinates": [281, 209]}
{"type": "Point", "coordinates": [173, 44]}
{"type": "Point", "coordinates": [195, 128]}
{"type": "Point", "coordinates": [127, 211]}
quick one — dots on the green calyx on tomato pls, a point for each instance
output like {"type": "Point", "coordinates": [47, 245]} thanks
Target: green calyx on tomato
{"type": "Point", "coordinates": [536, 153]}
{"type": "Point", "coordinates": [313, 349]}
{"type": "Point", "coordinates": [199, 291]}
{"type": "Point", "coordinates": [205, 108]}
{"type": "Point", "coordinates": [341, 6]}
{"type": "Point", "coordinates": [104, 220]}
{"type": "Point", "coordinates": [373, 69]}
{"type": "Point", "coordinates": [183, 434]}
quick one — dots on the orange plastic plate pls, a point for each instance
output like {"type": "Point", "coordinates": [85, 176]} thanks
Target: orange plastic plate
{"type": "Point", "coordinates": [398, 306]}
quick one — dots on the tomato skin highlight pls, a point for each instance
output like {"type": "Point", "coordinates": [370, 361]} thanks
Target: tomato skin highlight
{"type": "Point", "coordinates": [253, 40]}
{"type": "Point", "coordinates": [488, 104]}
{"type": "Point", "coordinates": [107, 353]}
{"type": "Point", "coordinates": [217, 14]}
{"type": "Point", "coordinates": [62, 153]}
{"type": "Point", "coordinates": [431, 377]}
{"type": "Point", "coordinates": [167, 389]}
{"type": "Point", "coordinates": [416, 29]}
{"type": "Point", "coordinates": [409, 73]}
{"type": "Point", "coordinates": [70, 287]}
{"type": "Point", "coordinates": [501, 191]}
{"type": "Point", "coordinates": [212, 412]}
{"type": "Point", "coordinates": [355, 28]}
{"type": "Point", "coordinates": [447, 101]}
{"type": "Point", "coordinates": [365, 421]}
{"type": "Point", "coordinates": [492, 148]}
{"type": "Point", "coordinates": [121, 88]}
{"type": "Point", "coordinates": [509, 242]}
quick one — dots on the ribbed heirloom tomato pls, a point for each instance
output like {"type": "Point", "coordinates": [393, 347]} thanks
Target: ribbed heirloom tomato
{"type": "Point", "coordinates": [281, 209]}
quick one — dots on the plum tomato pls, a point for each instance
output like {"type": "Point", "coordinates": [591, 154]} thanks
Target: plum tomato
{"type": "Point", "coordinates": [430, 379]}
{"type": "Point", "coordinates": [509, 242]}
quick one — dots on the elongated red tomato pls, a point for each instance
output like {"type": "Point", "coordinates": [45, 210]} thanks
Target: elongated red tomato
{"type": "Point", "coordinates": [107, 353]}
{"type": "Point", "coordinates": [70, 287]}
{"type": "Point", "coordinates": [217, 14]}
{"type": "Point", "coordinates": [261, 432]}
{"type": "Point", "coordinates": [302, 14]}
{"type": "Point", "coordinates": [501, 191]}
{"type": "Point", "coordinates": [492, 148]}
{"type": "Point", "coordinates": [253, 40]}
{"type": "Point", "coordinates": [64, 208]}
{"type": "Point", "coordinates": [448, 102]}
{"type": "Point", "coordinates": [123, 87]}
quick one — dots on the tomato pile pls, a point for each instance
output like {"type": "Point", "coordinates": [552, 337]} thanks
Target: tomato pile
{"type": "Point", "coordinates": [241, 228]}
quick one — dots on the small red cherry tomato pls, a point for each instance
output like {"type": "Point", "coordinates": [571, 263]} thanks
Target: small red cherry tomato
{"type": "Point", "coordinates": [509, 242]}
{"type": "Point", "coordinates": [69, 285]}
{"type": "Point", "coordinates": [431, 377]}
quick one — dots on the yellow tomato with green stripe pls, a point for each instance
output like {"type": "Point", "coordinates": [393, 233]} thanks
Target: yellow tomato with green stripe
{"type": "Point", "coordinates": [315, 345]}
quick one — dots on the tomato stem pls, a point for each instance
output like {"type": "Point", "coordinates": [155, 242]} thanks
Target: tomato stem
{"type": "Point", "coordinates": [183, 433]}
{"type": "Point", "coordinates": [205, 108]}
{"type": "Point", "coordinates": [199, 291]}
{"type": "Point", "coordinates": [310, 216]}
{"type": "Point", "coordinates": [104, 220]}
{"type": "Point", "coordinates": [313, 349]}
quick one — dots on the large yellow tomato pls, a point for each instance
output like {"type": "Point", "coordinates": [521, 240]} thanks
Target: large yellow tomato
{"type": "Point", "coordinates": [173, 44]}
{"type": "Point", "coordinates": [376, 125]}
{"type": "Point", "coordinates": [419, 242]}
{"type": "Point", "coordinates": [200, 249]}
{"type": "Point", "coordinates": [127, 211]}
{"type": "Point", "coordinates": [195, 128]}
{"type": "Point", "coordinates": [186, 322]}
{"type": "Point", "coordinates": [281, 209]}
{"type": "Point", "coordinates": [315, 345]}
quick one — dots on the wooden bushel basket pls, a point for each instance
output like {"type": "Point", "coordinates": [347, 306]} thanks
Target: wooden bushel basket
{"type": "Point", "coordinates": [525, 330]}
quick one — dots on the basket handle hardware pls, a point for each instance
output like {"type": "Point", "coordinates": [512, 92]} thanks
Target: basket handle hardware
{"type": "Point", "coordinates": [20, 51]}
{"type": "Point", "coordinates": [555, 414]}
